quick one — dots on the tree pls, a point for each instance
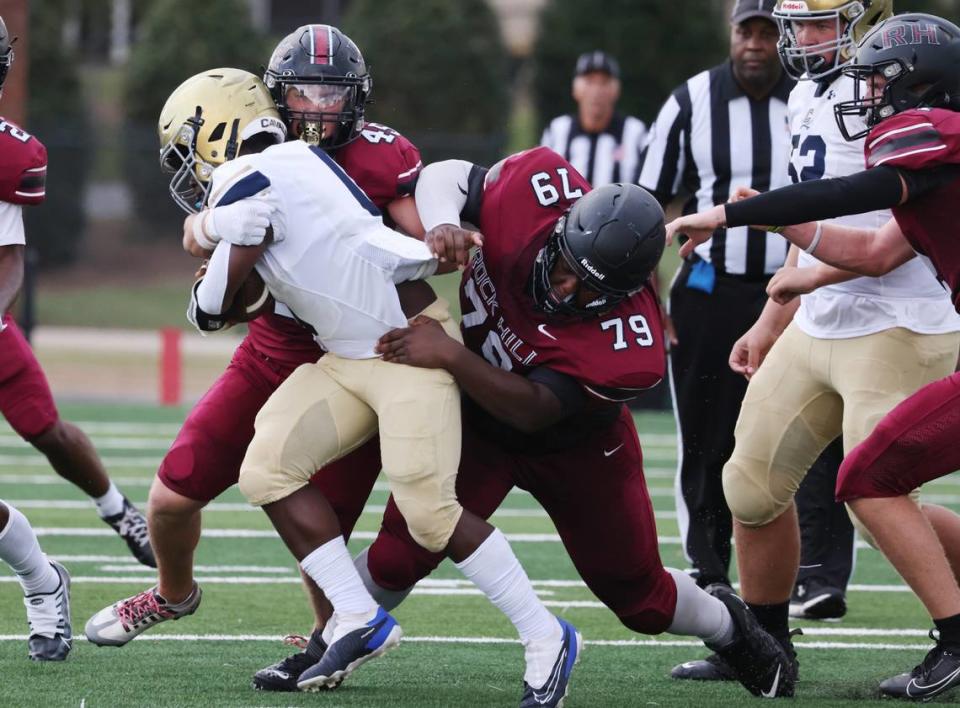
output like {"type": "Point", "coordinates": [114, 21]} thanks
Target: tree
{"type": "Point", "coordinates": [440, 73]}
{"type": "Point", "coordinates": [658, 45]}
{"type": "Point", "coordinates": [175, 40]}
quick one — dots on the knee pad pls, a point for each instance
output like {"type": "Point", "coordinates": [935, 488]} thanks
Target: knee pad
{"type": "Point", "coordinates": [431, 524]}
{"type": "Point", "coordinates": [750, 501]}
{"type": "Point", "coordinates": [262, 478]}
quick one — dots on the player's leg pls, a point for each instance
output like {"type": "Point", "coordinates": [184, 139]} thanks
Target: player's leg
{"type": "Point", "coordinates": [915, 443]}
{"type": "Point", "coordinates": [420, 438]}
{"type": "Point", "coordinates": [45, 584]}
{"type": "Point", "coordinates": [607, 525]}
{"type": "Point", "coordinates": [27, 404]}
{"type": "Point", "coordinates": [309, 421]}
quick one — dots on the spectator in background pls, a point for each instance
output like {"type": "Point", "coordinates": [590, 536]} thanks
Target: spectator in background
{"type": "Point", "coordinates": [602, 143]}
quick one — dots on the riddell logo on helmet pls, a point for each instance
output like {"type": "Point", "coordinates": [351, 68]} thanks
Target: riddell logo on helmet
{"type": "Point", "coordinates": [591, 269]}
{"type": "Point", "coordinates": [794, 6]}
{"type": "Point", "coordinates": [902, 35]}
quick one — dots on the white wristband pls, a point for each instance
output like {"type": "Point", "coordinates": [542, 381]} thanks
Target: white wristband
{"type": "Point", "coordinates": [200, 234]}
{"type": "Point", "coordinates": [816, 239]}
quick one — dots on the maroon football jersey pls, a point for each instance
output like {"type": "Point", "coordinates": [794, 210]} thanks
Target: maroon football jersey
{"type": "Point", "coordinates": [23, 165]}
{"type": "Point", "coordinates": [385, 165]}
{"type": "Point", "coordinates": [917, 140]}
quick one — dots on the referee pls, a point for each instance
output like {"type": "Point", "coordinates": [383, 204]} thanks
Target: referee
{"type": "Point", "coordinates": [602, 143]}
{"type": "Point", "coordinates": [724, 128]}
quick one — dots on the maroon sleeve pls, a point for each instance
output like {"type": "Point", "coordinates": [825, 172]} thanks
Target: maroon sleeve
{"type": "Point", "coordinates": [23, 166]}
{"type": "Point", "coordinates": [383, 163]}
{"type": "Point", "coordinates": [915, 140]}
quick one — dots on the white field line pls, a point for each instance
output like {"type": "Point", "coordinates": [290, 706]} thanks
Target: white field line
{"type": "Point", "coordinates": [652, 643]}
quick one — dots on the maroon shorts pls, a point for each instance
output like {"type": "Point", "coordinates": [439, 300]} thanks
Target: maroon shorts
{"type": "Point", "coordinates": [205, 458]}
{"type": "Point", "coordinates": [25, 398]}
{"type": "Point", "coordinates": [596, 496]}
{"type": "Point", "coordinates": [919, 440]}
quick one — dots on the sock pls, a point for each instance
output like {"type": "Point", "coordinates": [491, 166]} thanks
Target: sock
{"type": "Point", "coordinates": [329, 629]}
{"type": "Point", "coordinates": [387, 599]}
{"type": "Point", "coordinates": [111, 503]}
{"type": "Point", "coordinates": [495, 570]}
{"type": "Point", "coordinates": [698, 613]}
{"type": "Point", "coordinates": [315, 646]}
{"type": "Point", "coordinates": [949, 629]}
{"type": "Point", "coordinates": [774, 619]}
{"type": "Point", "coordinates": [332, 570]}
{"type": "Point", "coordinates": [21, 551]}
{"type": "Point", "coordinates": [184, 603]}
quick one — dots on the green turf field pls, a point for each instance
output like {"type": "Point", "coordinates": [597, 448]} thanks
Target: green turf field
{"type": "Point", "coordinates": [458, 650]}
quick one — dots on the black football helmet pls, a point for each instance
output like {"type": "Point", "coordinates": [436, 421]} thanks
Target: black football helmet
{"type": "Point", "coordinates": [612, 238]}
{"type": "Point", "coordinates": [918, 55]}
{"type": "Point", "coordinates": [324, 64]}
{"type": "Point", "coordinates": [6, 52]}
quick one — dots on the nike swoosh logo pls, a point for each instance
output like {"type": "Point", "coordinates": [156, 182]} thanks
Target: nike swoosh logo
{"type": "Point", "coordinates": [543, 330]}
{"type": "Point", "coordinates": [772, 693]}
{"type": "Point", "coordinates": [607, 453]}
{"type": "Point", "coordinates": [931, 689]}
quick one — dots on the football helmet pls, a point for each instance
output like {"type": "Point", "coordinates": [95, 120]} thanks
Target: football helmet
{"type": "Point", "coordinates": [853, 19]}
{"type": "Point", "coordinates": [204, 123]}
{"type": "Point", "coordinates": [918, 55]}
{"type": "Point", "coordinates": [6, 52]}
{"type": "Point", "coordinates": [323, 65]}
{"type": "Point", "coordinates": [612, 238]}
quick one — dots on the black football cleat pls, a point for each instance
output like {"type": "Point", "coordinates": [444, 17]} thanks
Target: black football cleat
{"type": "Point", "coordinates": [938, 672]}
{"type": "Point", "coordinates": [758, 661]}
{"type": "Point", "coordinates": [284, 674]}
{"type": "Point", "coordinates": [131, 526]}
{"type": "Point", "coordinates": [712, 668]}
{"type": "Point", "coordinates": [814, 600]}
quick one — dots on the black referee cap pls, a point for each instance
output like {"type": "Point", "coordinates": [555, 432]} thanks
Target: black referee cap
{"type": "Point", "coordinates": [744, 10]}
{"type": "Point", "coordinates": [597, 61]}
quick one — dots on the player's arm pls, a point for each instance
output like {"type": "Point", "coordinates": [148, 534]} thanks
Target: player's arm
{"type": "Point", "coordinates": [448, 192]}
{"type": "Point", "coordinates": [527, 404]}
{"type": "Point", "coordinates": [11, 274]}
{"type": "Point", "coordinates": [404, 213]}
{"type": "Point", "coordinates": [214, 293]}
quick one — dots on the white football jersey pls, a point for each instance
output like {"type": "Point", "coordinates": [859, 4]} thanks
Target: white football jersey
{"type": "Point", "coordinates": [333, 262]}
{"type": "Point", "coordinates": [909, 296]}
{"type": "Point", "coordinates": [11, 224]}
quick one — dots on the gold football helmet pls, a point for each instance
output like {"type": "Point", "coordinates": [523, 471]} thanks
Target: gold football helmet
{"type": "Point", "coordinates": [204, 123]}
{"type": "Point", "coordinates": [853, 19]}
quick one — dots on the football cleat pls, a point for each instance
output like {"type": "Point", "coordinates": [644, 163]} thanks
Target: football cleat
{"type": "Point", "coordinates": [283, 675]}
{"type": "Point", "coordinates": [352, 650]}
{"type": "Point", "coordinates": [813, 600]}
{"type": "Point", "coordinates": [117, 624]}
{"type": "Point", "coordinates": [48, 614]}
{"type": "Point", "coordinates": [554, 690]}
{"type": "Point", "coordinates": [131, 526]}
{"type": "Point", "coordinates": [938, 672]}
{"type": "Point", "coordinates": [713, 668]}
{"type": "Point", "coordinates": [758, 661]}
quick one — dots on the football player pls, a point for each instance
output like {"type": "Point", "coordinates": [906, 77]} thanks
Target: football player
{"type": "Point", "coordinates": [25, 398]}
{"type": "Point", "coordinates": [910, 67]}
{"type": "Point", "coordinates": [560, 327]}
{"type": "Point", "coordinates": [838, 359]}
{"type": "Point", "coordinates": [204, 460]}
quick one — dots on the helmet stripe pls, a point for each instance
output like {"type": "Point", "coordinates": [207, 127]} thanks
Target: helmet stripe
{"type": "Point", "coordinates": [321, 42]}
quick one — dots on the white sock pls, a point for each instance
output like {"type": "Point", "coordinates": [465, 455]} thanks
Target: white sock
{"type": "Point", "coordinates": [111, 503]}
{"type": "Point", "coordinates": [332, 570]}
{"type": "Point", "coordinates": [495, 570]}
{"type": "Point", "coordinates": [329, 629]}
{"type": "Point", "coordinates": [698, 613]}
{"type": "Point", "coordinates": [21, 551]}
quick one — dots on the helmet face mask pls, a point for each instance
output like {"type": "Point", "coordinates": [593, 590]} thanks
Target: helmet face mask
{"type": "Point", "coordinates": [917, 56]}
{"type": "Point", "coordinates": [852, 20]}
{"type": "Point", "coordinates": [6, 53]}
{"type": "Point", "coordinates": [204, 123]}
{"type": "Point", "coordinates": [324, 59]}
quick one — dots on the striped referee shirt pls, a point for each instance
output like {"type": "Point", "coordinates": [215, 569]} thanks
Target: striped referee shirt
{"type": "Point", "coordinates": [711, 138]}
{"type": "Point", "coordinates": [602, 158]}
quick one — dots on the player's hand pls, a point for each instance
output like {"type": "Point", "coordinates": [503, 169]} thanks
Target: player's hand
{"type": "Point", "coordinates": [450, 243]}
{"type": "Point", "coordinates": [698, 228]}
{"type": "Point", "coordinates": [190, 244]}
{"type": "Point", "coordinates": [790, 282]}
{"type": "Point", "coordinates": [424, 343]}
{"type": "Point", "coordinates": [202, 270]}
{"type": "Point", "coordinates": [751, 349]}
{"type": "Point", "coordinates": [243, 223]}
{"type": "Point", "coordinates": [741, 193]}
